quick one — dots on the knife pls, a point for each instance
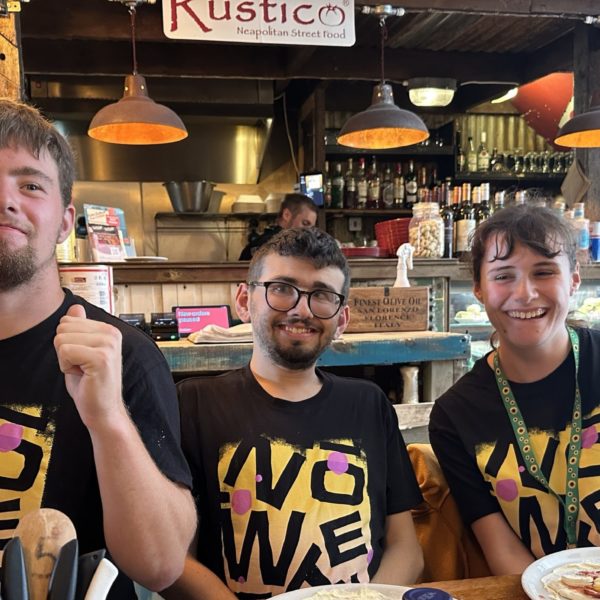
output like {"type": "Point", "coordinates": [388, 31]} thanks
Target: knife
{"type": "Point", "coordinates": [86, 569]}
{"type": "Point", "coordinates": [102, 581]}
{"type": "Point", "coordinates": [64, 575]}
{"type": "Point", "coordinates": [14, 577]}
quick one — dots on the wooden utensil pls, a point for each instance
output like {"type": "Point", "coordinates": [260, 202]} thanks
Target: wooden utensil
{"type": "Point", "coordinates": [43, 533]}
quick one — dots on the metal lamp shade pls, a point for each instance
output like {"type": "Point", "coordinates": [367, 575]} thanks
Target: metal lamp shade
{"type": "Point", "coordinates": [136, 119]}
{"type": "Point", "coordinates": [383, 124]}
{"type": "Point", "coordinates": [582, 131]}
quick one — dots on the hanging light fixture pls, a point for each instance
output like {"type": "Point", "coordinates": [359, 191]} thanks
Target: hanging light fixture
{"type": "Point", "coordinates": [431, 91]}
{"type": "Point", "coordinates": [136, 119]}
{"type": "Point", "coordinates": [582, 131]}
{"type": "Point", "coordinates": [383, 124]}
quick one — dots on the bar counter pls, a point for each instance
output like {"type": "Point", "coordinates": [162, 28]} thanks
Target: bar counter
{"type": "Point", "coordinates": [352, 349]}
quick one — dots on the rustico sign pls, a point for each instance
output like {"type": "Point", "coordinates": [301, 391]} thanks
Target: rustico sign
{"type": "Point", "coordinates": [293, 22]}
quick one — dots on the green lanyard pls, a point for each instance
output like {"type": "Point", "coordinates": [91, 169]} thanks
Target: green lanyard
{"type": "Point", "coordinates": [570, 503]}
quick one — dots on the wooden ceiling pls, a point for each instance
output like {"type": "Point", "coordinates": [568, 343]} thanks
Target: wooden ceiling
{"type": "Point", "coordinates": [84, 46]}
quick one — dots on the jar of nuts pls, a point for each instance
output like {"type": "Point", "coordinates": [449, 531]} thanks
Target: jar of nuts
{"type": "Point", "coordinates": [426, 230]}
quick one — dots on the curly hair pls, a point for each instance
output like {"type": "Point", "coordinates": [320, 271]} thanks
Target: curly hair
{"type": "Point", "coordinates": [311, 244]}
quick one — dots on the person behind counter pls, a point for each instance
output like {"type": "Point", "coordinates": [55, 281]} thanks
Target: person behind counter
{"type": "Point", "coordinates": [301, 477]}
{"type": "Point", "coordinates": [88, 408]}
{"type": "Point", "coordinates": [517, 437]}
{"type": "Point", "coordinates": [296, 210]}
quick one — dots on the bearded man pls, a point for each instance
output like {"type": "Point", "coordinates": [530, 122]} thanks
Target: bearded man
{"type": "Point", "coordinates": [301, 477]}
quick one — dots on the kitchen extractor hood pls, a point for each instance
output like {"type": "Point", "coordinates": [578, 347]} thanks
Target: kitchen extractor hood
{"type": "Point", "coordinates": [229, 125]}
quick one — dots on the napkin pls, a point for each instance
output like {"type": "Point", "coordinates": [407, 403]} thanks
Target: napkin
{"type": "Point", "coordinates": [212, 334]}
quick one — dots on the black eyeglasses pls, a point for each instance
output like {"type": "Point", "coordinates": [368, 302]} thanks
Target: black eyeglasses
{"type": "Point", "coordinates": [282, 297]}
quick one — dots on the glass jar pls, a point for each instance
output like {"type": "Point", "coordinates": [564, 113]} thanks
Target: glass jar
{"type": "Point", "coordinates": [426, 230]}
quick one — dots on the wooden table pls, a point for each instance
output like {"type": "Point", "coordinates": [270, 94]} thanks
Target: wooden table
{"type": "Point", "coordinates": [504, 587]}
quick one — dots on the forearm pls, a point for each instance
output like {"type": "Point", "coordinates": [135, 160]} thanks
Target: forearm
{"type": "Point", "coordinates": [504, 551]}
{"type": "Point", "coordinates": [402, 560]}
{"type": "Point", "coordinates": [399, 566]}
{"type": "Point", "coordinates": [197, 583]}
{"type": "Point", "coordinates": [148, 520]}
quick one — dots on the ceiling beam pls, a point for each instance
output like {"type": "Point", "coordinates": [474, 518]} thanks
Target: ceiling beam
{"type": "Point", "coordinates": [524, 8]}
{"type": "Point", "coordinates": [80, 57]}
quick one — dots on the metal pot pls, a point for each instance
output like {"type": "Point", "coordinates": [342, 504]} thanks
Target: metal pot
{"type": "Point", "coordinates": [189, 196]}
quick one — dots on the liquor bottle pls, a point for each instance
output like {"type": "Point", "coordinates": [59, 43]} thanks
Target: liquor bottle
{"type": "Point", "coordinates": [499, 200]}
{"type": "Point", "coordinates": [411, 185]}
{"type": "Point", "coordinates": [387, 189]}
{"type": "Point", "coordinates": [461, 159]}
{"type": "Point", "coordinates": [361, 184]}
{"type": "Point", "coordinates": [456, 202]}
{"type": "Point", "coordinates": [447, 214]}
{"type": "Point", "coordinates": [496, 163]}
{"type": "Point", "coordinates": [350, 193]}
{"type": "Point", "coordinates": [484, 210]}
{"type": "Point", "coordinates": [327, 186]}
{"type": "Point", "coordinates": [373, 186]}
{"type": "Point", "coordinates": [466, 222]}
{"type": "Point", "coordinates": [422, 187]}
{"type": "Point", "coordinates": [398, 187]}
{"type": "Point", "coordinates": [471, 156]}
{"type": "Point", "coordinates": [483, 156]}
{"type": "Point", "coordinates": [337, 187]}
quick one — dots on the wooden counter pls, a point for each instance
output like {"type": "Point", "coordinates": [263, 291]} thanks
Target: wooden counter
{"type": "Point", "coordinates": [505, 587]}
{"type": "Point", "coordinates": [353, 349]}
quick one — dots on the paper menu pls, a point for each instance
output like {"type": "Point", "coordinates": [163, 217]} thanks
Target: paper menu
{"type": "Point", "coordinates": [107, 232]}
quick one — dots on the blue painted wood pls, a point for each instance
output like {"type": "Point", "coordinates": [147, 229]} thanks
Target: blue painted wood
{"type": "Point", "coordinates": [352, 349]}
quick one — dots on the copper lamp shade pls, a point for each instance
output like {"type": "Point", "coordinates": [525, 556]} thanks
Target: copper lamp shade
{"type": "Point", "coordinates": [383, 125]}
{"type": "Point", "coordinates": [136, 119]}
{"type": "Point", "coordinates": [582, 131]}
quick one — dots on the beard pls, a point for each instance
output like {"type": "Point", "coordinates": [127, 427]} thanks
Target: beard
{"type": "Point", "coordinates": [16, 268]}
{"type": "Point", "coordinates": [296, 356]}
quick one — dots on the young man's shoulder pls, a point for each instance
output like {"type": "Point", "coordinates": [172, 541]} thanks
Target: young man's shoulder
{"type": "Point", "coordinates": [352, 386]}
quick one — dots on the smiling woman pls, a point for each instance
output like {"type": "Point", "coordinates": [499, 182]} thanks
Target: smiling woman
{"type": "Point", "coordinates": [510, 435]}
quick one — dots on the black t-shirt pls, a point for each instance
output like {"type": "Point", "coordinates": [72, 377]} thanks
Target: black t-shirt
{"type": "Point", "coordinates": [292, 494]}
{"type": "Point", "coordinates": [255, 244]}
{"type": "Point", "coordinates": [474, 442]}
{"type": "Point", "coordinates": [47, 458]}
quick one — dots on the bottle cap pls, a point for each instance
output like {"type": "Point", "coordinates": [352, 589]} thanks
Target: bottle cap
{"type": "Point", "coordinates": [426, 593]}
{"type": "Point", "coordinates": [595, 228]}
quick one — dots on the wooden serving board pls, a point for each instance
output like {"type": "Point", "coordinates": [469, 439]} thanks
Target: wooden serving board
{"type": "Point", "coordinates": [388, 309]}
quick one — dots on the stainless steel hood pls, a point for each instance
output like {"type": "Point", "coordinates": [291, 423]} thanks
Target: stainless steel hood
{"type": "Point", "coordinates": [229, 128]}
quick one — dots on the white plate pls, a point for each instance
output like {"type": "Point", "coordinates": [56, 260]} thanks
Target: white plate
{"type": "Point", "coordinates": [531, 580]}
{"type": "Point", "coordinates": [389, 592]}
{"type": "Point", "coordinates": [146, 258]}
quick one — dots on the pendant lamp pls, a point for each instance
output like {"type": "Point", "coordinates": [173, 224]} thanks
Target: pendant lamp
{"type": "Point", "coordinates": [582, 131]}
{"type": "Point", "coordinates": [383, 124]}
{"type": "Point", "coordinates": [136, 119]}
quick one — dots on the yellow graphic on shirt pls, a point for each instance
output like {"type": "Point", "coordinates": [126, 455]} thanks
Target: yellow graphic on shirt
{"type": "Point", "coordinates": [534, 514]}
{"type": "Point", "coordinates": [293, 517]}
{"type": "Point", "coordinates": [25, 446]}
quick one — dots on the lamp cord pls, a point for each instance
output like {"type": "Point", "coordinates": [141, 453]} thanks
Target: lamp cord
{"type": "Point", "coordinates": [132, 18]}
{"type": "Point", "coordinates": [383, 30]}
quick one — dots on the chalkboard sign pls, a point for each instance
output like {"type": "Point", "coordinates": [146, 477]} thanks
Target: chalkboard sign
{"type": "Point", "coordinates": [388, 309]}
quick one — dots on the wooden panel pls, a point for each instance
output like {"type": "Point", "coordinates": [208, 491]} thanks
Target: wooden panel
{"type": "Point", "coordinates": [388, 309]}
{"type": "Point", "coordinates": [10, 71]}
{"type": "Point", "coordinates": [138, 299]}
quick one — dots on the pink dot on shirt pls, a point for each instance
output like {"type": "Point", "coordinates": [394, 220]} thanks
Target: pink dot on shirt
{"type": "Point", "coordinates": [589, 437]}
{"type": "Point", "coordinates": [241, 579]}
{"type": "Point", "coordinates": [369, 556]}
{"type": "Point", "coordinates": [506, 489]}
{"type": "Point", "coordinates": [521, 469]}
{"type": "Point", "coordinates": [11, 436]}
{"type": "Point", "coordinates": [337, 462]}
{"type": "Point", "coordinates": [258, 478]}
{"type": "Point", "coordinates": [241, 501]}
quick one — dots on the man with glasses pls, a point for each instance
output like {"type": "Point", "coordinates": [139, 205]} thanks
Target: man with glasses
{"type": "Point", "coordinates": [301, 477]}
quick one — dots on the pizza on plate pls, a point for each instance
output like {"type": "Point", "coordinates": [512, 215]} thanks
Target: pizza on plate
{"type": "Point", "coordinates": [575, 581]}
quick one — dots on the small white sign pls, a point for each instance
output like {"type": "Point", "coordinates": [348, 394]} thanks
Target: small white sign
{"type": "Point", "coordinates": [286, 22]}
{"type": "Point", "coordinates": [94, 283]}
